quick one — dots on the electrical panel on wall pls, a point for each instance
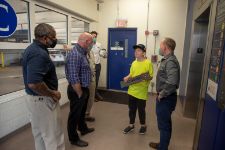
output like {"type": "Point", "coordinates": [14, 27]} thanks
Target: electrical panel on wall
{"type": "Point", "coordinates": [154, 57]}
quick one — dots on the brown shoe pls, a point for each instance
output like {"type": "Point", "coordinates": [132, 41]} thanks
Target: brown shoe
{"type": "Point", "coordinates": [98, 96]}
{"type": "Point", "coordinates": [154, 145]}
{"type": "Point", "coordinates": [90, 119]}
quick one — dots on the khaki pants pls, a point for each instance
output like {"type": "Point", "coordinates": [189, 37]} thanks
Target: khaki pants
{"type": "Point", "coordinates": [46, 124]}
{"type": "Point", "coordinates": [91, 98]}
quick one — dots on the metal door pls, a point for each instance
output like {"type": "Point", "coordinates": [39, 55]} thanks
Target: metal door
{"type": "Point", "coordinates": [121, 55]}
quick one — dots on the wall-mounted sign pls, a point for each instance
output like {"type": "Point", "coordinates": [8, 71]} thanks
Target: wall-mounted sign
{"type": "Point", "coordinates": [8, 19]}
{"type": "Point", "coordinates": [121, 23]}
{"type": "Point", "coordinates": [117, 46]}
{"type": "Point", "coordinates": [212, 89]}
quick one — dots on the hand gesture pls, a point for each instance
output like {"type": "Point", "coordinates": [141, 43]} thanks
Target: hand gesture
{"type": "Point", "coordinates": [125, 79]}
{"type": "Point", "coordinates": [56, 96]}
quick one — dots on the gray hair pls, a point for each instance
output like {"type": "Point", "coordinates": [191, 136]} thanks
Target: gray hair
{"type": "Point", "coordinates": [170, 43]}
{"type": "Point", "coordinates": [43, 29]}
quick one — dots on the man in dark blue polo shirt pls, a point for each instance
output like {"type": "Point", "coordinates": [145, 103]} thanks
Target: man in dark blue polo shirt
{"type": "Point", "coordinates": [78, 74]}
{"type": "Point", "coordinates": [41, 85]}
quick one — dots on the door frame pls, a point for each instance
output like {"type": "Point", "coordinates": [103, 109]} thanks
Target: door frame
{"type": "Point", "coordinates": [198, 125]}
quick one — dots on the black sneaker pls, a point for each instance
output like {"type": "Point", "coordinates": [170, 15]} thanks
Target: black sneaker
{"type": "Point", "coordinates": [142, 130]}
{"type": "Point", "coordinates": [128, 129]}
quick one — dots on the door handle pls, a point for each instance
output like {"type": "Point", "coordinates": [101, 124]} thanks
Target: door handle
{"type": "Point", "coordinates": [126, 48]}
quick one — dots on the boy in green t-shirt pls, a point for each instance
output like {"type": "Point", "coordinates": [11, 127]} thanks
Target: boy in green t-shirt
{"type": "Point", "coordinates": [138, 92]}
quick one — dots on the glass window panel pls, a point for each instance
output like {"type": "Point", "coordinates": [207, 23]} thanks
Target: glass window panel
{"type": "Point", "coordinates": [78, 27]}
{"type": "Point", "coordinates": [58, 56]}
{"type": "Point", "coordinates": [11, 78]}
{"type": "Point", "coordinates": [57, 20]}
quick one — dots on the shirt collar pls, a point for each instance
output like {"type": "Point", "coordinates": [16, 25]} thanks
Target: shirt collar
{"type": "Point", "coordinates": [41, 45]}
{"type": "Point", "coordinates": [167, 56]}
{"type": "Point", "coordinates": [81, 50]}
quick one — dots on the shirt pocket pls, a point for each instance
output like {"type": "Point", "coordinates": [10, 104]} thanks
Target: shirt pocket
{"type": "Point", "coordinates": [162, 73]}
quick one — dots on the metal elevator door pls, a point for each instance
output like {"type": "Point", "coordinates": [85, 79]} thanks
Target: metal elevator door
{"type": "Point", "coordinates": [198, 48]}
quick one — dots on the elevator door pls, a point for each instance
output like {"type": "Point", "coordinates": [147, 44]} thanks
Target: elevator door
{"type": "Point", "coordinates": [198, 48]}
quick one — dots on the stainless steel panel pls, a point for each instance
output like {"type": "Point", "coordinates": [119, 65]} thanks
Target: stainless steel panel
{"type": "Point", "coordinates": [198, 48]}
{"type": "Point", "coordinates": [126, 48]}
{"type": "Point", "coordinates": [205, 73]}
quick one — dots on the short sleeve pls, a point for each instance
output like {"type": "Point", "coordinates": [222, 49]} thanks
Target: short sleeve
{"type": "Point", "coordinates": [151, 70]}
{"type": "Point", "coordinates": [131, 70]}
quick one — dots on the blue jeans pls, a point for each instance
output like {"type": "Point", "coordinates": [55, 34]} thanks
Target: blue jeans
{"type": "Point", "coordinates": [164, 109]}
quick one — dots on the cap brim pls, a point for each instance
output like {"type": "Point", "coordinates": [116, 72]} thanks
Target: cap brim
{"type": "Point", "coordinates": [137, 46]}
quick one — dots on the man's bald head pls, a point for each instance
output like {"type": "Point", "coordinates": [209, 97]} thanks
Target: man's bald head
{"type": "Point", "coordinates": [85, 40]}
{"type": "Point", "coordinates": [84, 36]}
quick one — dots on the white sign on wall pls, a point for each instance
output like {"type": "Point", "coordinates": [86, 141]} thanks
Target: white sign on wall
{"type": "Point", "coordinates": [212, 89]}
{"type": "Point", "coordinates": [117, 48]}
